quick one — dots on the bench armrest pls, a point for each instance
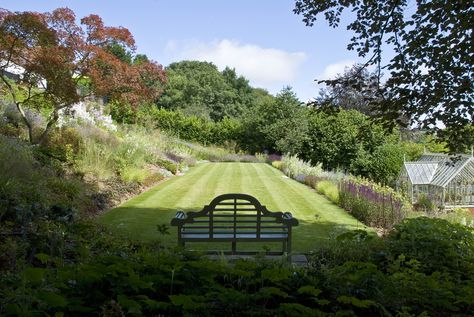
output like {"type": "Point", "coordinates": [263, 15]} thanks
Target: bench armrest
{"type": "Point", "coordinates": [179, 218]}
{"type": "Point", "coordinates": [287, 218]}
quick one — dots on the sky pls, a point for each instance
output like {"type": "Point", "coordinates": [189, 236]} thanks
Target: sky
{"type": "Point", "coordinates": [262, 39]}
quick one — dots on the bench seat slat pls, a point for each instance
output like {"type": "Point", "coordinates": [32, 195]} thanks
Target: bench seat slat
{"type": "Point", "coordinates": [216, 233]}
{"type": "Point", "coordinates": [232, 209]}
{"type": "Point", "coordinates": [231, 226]}
{"type": "Point", "coordinates": [238, 221]}
{"type": "Point", "coordinates": [193, 236]}
{"type": "Point", "coordinates": [232, 204]}
{"type": "Point", "coordinates": [232, 215]}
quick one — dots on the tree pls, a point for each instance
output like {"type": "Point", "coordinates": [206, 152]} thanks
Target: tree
{"type": "Point", "coordinates": [198, 88]}
{"type": "Point", "coordinates": [275, 124]}
{"type": "Point", "coordinates": [56, 56]}
{"type": "Point", "coordinates": [287, 124]}
{"type": "Point", "coordinates": [430, 74]}
{"type": "Point", "coordinates": [348, 140]}
{"type": "Point", "coordinates": [119, 51]}
{"type": "Point", "coordinates": [355, 89]}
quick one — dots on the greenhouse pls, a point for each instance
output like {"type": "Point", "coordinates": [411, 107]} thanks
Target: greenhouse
{"type": "Point", "coordinates": [445, 180]}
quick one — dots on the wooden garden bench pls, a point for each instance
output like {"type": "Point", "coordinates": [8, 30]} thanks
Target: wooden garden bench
{"type": "Point", "coordinates": [235, 218]}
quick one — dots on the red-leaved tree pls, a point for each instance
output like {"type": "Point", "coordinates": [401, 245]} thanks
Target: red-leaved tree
{"type": "Point", "coordinates": [56, 55]}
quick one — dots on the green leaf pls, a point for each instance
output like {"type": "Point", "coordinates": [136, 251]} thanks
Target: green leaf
{"type": "Point", "coordinates": [309, 290]}
{"type": "Point", "coordinates": [13, 309]}
{"type": "Point", "coordinates": [43, 257]}
{"type": "Point", "coordinates": [296, 310]}
{"type": "Point", "coordinates": [34, 275]}
{"type": "Point", "coordinates": [52, 299]}
{"type": "Point", "coordinates": [268, 292]}
{"type": "Point", "coordinates": [276, 274]}
{"type": "Point", "coordinates": [360, 303]}
{"type": "Point", "coordinates": [188, 302]}
{"type": "Point", "coordinates": [133, 307]}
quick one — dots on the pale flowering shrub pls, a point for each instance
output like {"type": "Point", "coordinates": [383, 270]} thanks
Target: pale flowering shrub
{"type": "Point", "coordinates": [293, 166]}
{"type": "Point", "coordinates": [88, 113]}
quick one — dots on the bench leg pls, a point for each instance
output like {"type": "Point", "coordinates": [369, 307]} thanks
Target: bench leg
{"type": "Point", "coordinates": [180, 241]}
{"type": "Point", "coordinates": [234, 247]}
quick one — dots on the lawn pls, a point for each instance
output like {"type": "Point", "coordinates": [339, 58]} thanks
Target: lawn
{"type": "Point", "coordinates": [319, 218]}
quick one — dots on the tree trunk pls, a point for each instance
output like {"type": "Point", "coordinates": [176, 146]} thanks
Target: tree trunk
{"type": "Point", "coordinates": [53, 118]}
{"type": "Point", "coordinates": [19, 108]}
{"type": "Point", "coordinates": [25, 120]}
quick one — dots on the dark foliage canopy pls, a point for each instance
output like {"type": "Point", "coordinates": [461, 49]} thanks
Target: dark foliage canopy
{"type": "Point", "coordinates": [430, 74]}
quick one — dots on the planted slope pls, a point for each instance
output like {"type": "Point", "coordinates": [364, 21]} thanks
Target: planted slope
{"type": "Point", "coordinates": [319, 218]}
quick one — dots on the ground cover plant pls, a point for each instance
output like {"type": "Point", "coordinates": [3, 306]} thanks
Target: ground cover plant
{"type": "Point", "coordinates": [422, 268]}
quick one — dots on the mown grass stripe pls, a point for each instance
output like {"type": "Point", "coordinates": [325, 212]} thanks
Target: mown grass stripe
{"type": "Point", "coordinates": [166, 190]}
{"type": "Point", "coordinates": [301, 192]}
{"type": "Point", "coordinates": [273, 182]}
{"type": "Point", "coordinates": [274, 202]}
{"type": "Point", "coordinates": [200, 191]}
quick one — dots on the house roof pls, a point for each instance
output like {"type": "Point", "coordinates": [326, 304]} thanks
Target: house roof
{"type": "Point", "coordinates": [439, 169]}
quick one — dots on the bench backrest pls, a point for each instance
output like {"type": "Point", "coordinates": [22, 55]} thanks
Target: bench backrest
{"type": "Point", "coordinates": [237, 214]}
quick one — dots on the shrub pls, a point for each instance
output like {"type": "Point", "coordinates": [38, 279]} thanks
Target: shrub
{"type": "Point", "coordinates": [273, 157]}
{"type": "Point", "coordinates": [374, 205]}
{"type": "Point", "coordinates": [174, 157]}
{"type": "Point", "coordinates": [355, 246]}
{"type": "Point", "coordinates": [424, 204]}
{"type": "Point", "coordinates": [64, 144]}
{"type": "Point", "coordinates": [328, 189]}
{"type": "Point", "coordinates": [87, 113]}
{"type": "Point", "coordinates": [8, 128]}
{"type": "Point", "coordinates": [169, 165]}
{"type": "Point", "coordinates": [435, 244]}
{"type": "Point", "coordinates": [261, 157]}
{"type": "Point", "coordinates": [277, 164]}
{"type": "Point", "coordinates": [234, 157]}
{"type": "Point", "coordinates": [29, 189]}
{"type": "Point", "coordinates": [293, 166]}
{"type": "Point", "coordinates": [133, 174]}
{"type": "Point", "coordinates": [96, 159]}
{"type": "Point", "coordinates": [192, 128]}
{"type": "Point", "coordinates": [460, 215]}
{"type": "Point", "coordinates": [189, 161]}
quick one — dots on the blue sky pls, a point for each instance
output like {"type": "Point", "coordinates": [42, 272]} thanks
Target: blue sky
{"type": "Point", "coordinates": [262, 39]}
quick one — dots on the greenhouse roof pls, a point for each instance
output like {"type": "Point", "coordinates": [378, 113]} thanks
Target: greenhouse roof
{"type": "Point", "coordinates": [439, 169]}
{"type": "Point", "coordinates": [421, 172]}
{"type": "Point", "coordinates": [447, 171]}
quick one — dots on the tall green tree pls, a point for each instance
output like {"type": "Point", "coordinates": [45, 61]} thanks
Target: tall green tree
{"type": "Point", "coordinates": [198, 88]}
{"type": "Point", "coordinates": [276, 124]}
{"type": "Point", "coordinates": [349, 141]}
{"type": "Point", "coordinates": [431, 71]}
{"type": "Point", "coordinates": [287, 125]}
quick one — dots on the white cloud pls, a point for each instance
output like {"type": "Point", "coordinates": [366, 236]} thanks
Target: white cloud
{"type": "Point", "coordinates": [264, 67]}
{"type": "Point", "coordinates": [332, 70]}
